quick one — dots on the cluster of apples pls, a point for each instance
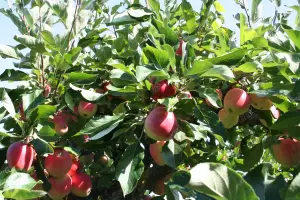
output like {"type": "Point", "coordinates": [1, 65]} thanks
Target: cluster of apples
{"type": "Point", "coordinates": [65, 176]}
{"type": "Point", "coordinates": [237, 102]}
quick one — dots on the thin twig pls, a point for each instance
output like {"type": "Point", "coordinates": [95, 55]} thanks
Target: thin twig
{"type": "Point", "coordinates": [43, 69]}
{"type": "Point", "coordinates": [115, 32]}
{"type": "Point", "coordinates": [275, 16]}
{"type": "Point", "coordinates": [55, 90]}
{"type": "Point", "coordinates": [73, 23]}
{"type": "Point", "coordinates": [246, 11]}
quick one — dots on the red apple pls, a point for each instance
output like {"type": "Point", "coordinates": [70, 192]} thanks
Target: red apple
{"type": "Point", "coordinates": [260, 103]}
{"type": "Point", "coordinates": [287, 152]}
{"type": "Point", "coordinates": [160, 185]}
{"type": "Point", "coordinates": [237, 101]}
{"type": "Point", "coordinates": [162, 90]}
{"type": "Point", "coordinates": [87, 109]}
{"type": "Point", "coordinates": [47, 90]}
{"type": "Point", "coordinates": [75, 167]}
{"type": "Point", "coordinates": [20, 156]}
{"type": "Point", "coordinates": [104, 85]}
{"type": "Point", "coordinates": [81, 185]}
{"type": "Point", "coordinates": [220, 95]}
{"type": "Point", "coordinates": [60, 125]}
{"type": "Point", "coordinates": [228, 119]}
{"type": "Point", "coordinates": [59, 163]}
{"type": "Point", "coordinates": [160, 124]}
{"type": "Point", "coordinates": [155, 152]}
{"type": "Point", "coordinates": [179, 50]}
{"type": "Point", "coordinates": [60, 187]}
{"type": "Point", "coordinates": [185, 95]}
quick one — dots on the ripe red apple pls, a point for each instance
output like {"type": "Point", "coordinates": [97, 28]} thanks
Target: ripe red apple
{"type": "Point", "coordinates": [81, 185]}
{"type": "Point", "coordinates": [160, 124]}
{"type": "Point", "coordinates": [75, 167]}
{"type": "Point", "coordinates": [147, 197]}
{"type": "Point", "coordinates": [87, 109]}
{"type": "Point", "coordinates": [260, 103]}
{"type": "Point", "coordinates": [228, 119]}
{"type": "Point", "coordinates": [59, 163]}
{"type": "Point", "coordinates": [160, 185]}
{"type": "Point", "coordinates": [60, 187]}
{"type": "Point", "coordinates": [185, 95]}
{"type": "Point", "coordinates": [237, 101]}
{"type": "Point", "coordinates": [163, 89]}
{"type": "Point", "coordinates": [220, 95]}
{"type": "Point", "coordinates": [60, 125]}
{"type": "Point", "coordinates": [287, 152]}
{"type": "Point", "coordinates": [155, 152]}
{"type": "Point", "coordinates": [47, 90]}
{"type": "Point", "coordinates": [179, 50]}
{"type": "Point", "coordinates": [20, 156]}
{"type": "Point", "coordinates": [104, 85]}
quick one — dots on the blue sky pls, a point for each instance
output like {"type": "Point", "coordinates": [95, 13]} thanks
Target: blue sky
{"type": "Point", "coordinates": [9, 30]}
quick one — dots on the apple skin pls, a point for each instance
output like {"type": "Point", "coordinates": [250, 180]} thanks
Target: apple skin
{"type": "Point", "coordinates": [20, 156]}
{"type": "Point", "coordinates": [163, 89]}
{"type": "Point", "coordinates": [160, 185]}
{"type": "Point", "coordinates": [155, 152]}
{"type": "Point", "coordinates": [185, 95]}
{"type": "Point", "coordinates": [60, 125]}
{"type": "Point", "coordinates": [60, 187]}
{"type": "Point", "coordinates": [47, 90]}
{"type": "Point", "coordinates": [220, 95]}
{"type": "Point", "coordinates": [86, 109]}
{"type": "Point", "coordinates": [275, 112]}
{"type": "Point", "coordinates": [287, 152]}
{"type": "Point", "coordinates": [75, 167]}
{"type": "Point", "coordinates": [81, 185]}
{"type": "Point", "coordinates": [59, 163]}
{"type": "Point", "coordinates": [160, 124]}
{"type": "Point", "coordinates": [179, 50]}
{"type": "Point", "coordinates": [260, 103]}
{"type": "Point", "coordinates": [228, 119]}
{"type": "Point", "coordinates": [237, 101]}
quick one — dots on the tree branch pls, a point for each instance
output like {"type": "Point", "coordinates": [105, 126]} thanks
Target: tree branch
{"type": "Point", "coordinates": [243, 6]}
{"type": "Point", "coordinates": [73, 23]}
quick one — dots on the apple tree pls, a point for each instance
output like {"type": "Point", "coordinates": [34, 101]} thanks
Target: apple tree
{"type": "Point", "coordinates": [150, 100]}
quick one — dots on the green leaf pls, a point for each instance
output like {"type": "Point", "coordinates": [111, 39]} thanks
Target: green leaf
{"type": "Point", "coordinates": [6, 102]}
{"type": "Point", "coordinates": [154, 4]}
{"type": "Point", "coordinates": [171, 53]}
{"type": "Point", "coordinates": [250, 67]}
{"type": "Point", "coordinates": [170, 36]}
{"type": "Point", "coordinates": [293, 189]}
{"type": "Point", "coordinates": [96, 125]}
{"type": "Point", "coordinates": [138, 13]}
{"type": "Point", "coordinates": [48, 38]}
{"type": "Point", "coordinates": [169, 102]}
{"type": "Point", "coordinates": [231, 58]}
{"type": "Point", "coordinates": [293, 34]}
{"type": "Point", "coordinates": [105, 131]}
{"type": "Point", "coordinates": [219, 71]}
{"type": "Point", "coordinates": [130, 168]}
{"type": "Point", "coordinates": [251, 156]}
{"type": "Point", "coordinates": [255, 10]}
{"type": "Point", "coordinates": [189, 17]}
{"type": "Point", "coordinates": [172, 154]}
{"type": "Point", "coordinates": [87, 94]}
{"type": "Point", "coordinates": [14, 75]}
{"type": "Point", "coordinates": [81, 77]}
{"type": "Point", "coordinates": [119, 64]}
{"type": "Point", "coordinates": [42, 112]}
{"type": "Point", "coordinates": [219, 7]}
{"type": "Point", "coordinates": [32, 100]}
{"type": "Point", "coordinates": [142, 72]}
{"type": "Point", "coordinates": [219, 182]}
{"type": "Point", "coordinates": [8, 52]}
{"type": "Point", "coordinates": [19, 180]}
{"type": "Point", "coordinates": [121, 19]}
{"type": "Point", "coordinates": [158, 56]}
{"type": "Point", "coordinates": [41, 147]}
{"type": "Point", "coordinates": [287, 120]}
{"type": "Point", "coordinates": [199, 67]}
{"type": "Point", "coordinates": [31, 42]}
{"type": "Point", "coordinates": [23, 194]}
{"type": "Point", "coordinates": [72, 56]}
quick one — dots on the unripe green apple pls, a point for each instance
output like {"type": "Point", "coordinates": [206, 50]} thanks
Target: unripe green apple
{"type": "Point", "coordinates": [260, 103]}
{"type": "Point", "coordinates": [81, 185]}
{"type": "Point", "coordinates": [20, 156]}
{"type": "Point", "coordinates": [59, 163]}
{"type": "Point", "coordinates": [287, 152]}
{"type": "Point", "coordinates": [237, 101]}
{"type": "Point", "coordinates": [228, 118]}
{"type": "Point", "coordinates": [160, 124]}
{"type": "Point", "coordinates": [60, 187]}
{"type": "Point", "coordinates": [155, 152]}
{"type": "Point", "coordinates": [86, 109]}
